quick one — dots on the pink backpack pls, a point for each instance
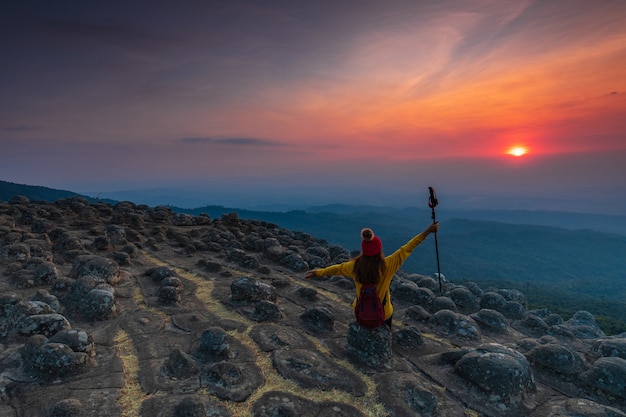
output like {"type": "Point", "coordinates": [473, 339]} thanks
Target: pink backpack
{"type": "Point", "coordinates": [369, 310]}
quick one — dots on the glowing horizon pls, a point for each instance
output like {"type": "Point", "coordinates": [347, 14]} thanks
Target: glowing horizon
{"type": "Point", "coordinates": [386, 90]}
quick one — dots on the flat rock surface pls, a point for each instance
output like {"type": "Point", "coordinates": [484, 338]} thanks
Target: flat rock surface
{"type": "Point", "coordinates": [177, 342]}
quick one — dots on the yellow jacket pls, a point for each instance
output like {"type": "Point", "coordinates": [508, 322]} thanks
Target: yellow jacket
{"type": "Point", "coordinates": [393, 262]}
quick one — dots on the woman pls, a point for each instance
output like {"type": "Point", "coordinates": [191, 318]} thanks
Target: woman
{"type": "Point", "coordinates": [372, 267]}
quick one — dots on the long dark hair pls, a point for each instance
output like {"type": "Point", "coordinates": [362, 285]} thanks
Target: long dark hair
{"type": "Point", "coordinates": [369, 269]}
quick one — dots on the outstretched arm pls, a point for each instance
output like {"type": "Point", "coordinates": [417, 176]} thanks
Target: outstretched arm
{"type": "Point", "coordinates": [344, 269]}
{"type": "Point", "coordinates": [432, 228]}
{"type": "Point", "coordinates": [395, 260]}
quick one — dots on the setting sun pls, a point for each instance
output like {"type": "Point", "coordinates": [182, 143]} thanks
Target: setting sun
{"type": "Point", "coordinates": [518, 151]}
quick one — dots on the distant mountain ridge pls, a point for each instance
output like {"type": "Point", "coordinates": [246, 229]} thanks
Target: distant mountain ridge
{"type": "Point", "coordinates": [569, 220]}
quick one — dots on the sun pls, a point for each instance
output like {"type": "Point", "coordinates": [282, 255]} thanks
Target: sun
{"type": "Point", "coordinates": [518, 151]}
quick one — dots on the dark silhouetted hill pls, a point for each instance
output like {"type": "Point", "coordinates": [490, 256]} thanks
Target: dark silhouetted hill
{"type": "Point", "coordinates": [8, 190]}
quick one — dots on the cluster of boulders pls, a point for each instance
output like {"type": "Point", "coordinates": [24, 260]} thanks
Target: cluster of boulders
{"type": "Point", "coordinates": [79, 278]}
{"type": "Point", "coordinates": [525, 344]}
{"type": "Point", "coordinates": [54, 348]}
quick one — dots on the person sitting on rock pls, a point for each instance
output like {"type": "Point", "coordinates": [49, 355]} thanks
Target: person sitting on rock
{"type": "Point", "coordinates": [372, 267]}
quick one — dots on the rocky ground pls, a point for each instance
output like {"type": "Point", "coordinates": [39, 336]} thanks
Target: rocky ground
{"type": "Point", "coordinates": [128, 310]}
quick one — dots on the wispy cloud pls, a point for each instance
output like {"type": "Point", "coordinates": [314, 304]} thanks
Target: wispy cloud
{"type": "Point", "coordinates": [195, 140]}
{"type": "Point", "coordinates": [231, 141]}
{"type": "Point", "coordinates": [17, 128]}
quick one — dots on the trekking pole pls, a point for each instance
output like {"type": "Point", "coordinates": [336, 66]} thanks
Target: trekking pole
{"type": "Point", "coordinates": [432, 203]}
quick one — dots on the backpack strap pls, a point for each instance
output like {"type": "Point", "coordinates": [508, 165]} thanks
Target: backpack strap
{"type": "Point", "coordinates": [384, 299]}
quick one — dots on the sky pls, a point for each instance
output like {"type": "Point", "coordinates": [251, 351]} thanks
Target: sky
{"type": "Point", "coordinates": [351, 101]}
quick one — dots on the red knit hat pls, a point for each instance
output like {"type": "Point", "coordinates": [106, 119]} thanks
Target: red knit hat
{"type": "Point", "coordinates": [371, 245]}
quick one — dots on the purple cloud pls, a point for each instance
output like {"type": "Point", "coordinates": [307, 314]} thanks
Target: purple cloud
{"type": "Point", "coordinates": [232, 141]}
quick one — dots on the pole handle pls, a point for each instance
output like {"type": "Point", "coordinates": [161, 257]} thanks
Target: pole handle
{"type": "Point", "coordinates": [432, 202]}
{"type": "Point", "coordinates": [432, 199]}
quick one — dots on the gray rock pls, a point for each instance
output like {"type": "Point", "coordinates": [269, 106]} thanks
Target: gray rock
{"type": "Point", "coordinates": [503, 373]}
{"type": "Point", "coordinates": [562, 332]}
{"type": "Point", "coordinates": [514, 310]}
{"type": "Point", "coordinates": [231, 381]}
{"type": "Point", "coordinates": [214, 346]}
{"type": "Point", "coordinates": [409, 292]}
{"type": "Point", "coordinates": [295, 262]}
{"type": "Point", "coordinates": [308, 294]}
{"type": "Point", "coordinates": [615, 346]}
{"type": "Point", "coordinates": [102, 243]}
{"type": "Point", "coordinates": [405, 395]}
{"type": "Point", "coordinates": [159, 273]}
{"type": "Point", "coordinates": [210, 266]}
{"type": "Point", "coordinates": [474, 289]}
{"type": "Point", "coordinates": [369, 345]}
{"type": "Point", "coordinates": [29, 308]}
{"type": "Point", "coordinates": [116, 234]}
{"type": "Point", "coordinates": [493, 301]}
{"type": "Point", "coordinates": [43, 273]}
{"type": "Point", "coordinates": [266, 311]}
{"type": "Point", "coordinates": [319, 318]}
{"type": "Point", "coordinates": [69, 407]}
{"type": "Point", "coordinates": [553, 319]}
{"type": "Point", "coordinates": [249, 262]}
{"type": "Point", "coordinates": [78, 340]}
{"type": "Point", "coordinates": [180, 365]}
{"type": "Point", "coordinates": [533, 325]}
{"type": "Point", "coordinates": [607, 375]}
{"type": "Point", "coordinates": [97, 266]}
{"type": "Point", "coordinates": [19, 252]}
{"type": "Point", "coordinates": [491, 320]}
{"type": "Point", "coordinates": [99, 303]}
{"type": "Point", "coordinates": [275, 252]}
{"type": "Point", "coordinates": [55, 360]}
{"type": "Point", "coordinates": [431, 283]}
{"type": "Point", "coordinates": [513, 295]}
{"type": "Point", "coordinates": [418, 314]}
{"type": "Point", "coordinates": [122, 258]}
{"type": "Point", "coordinates": [316, 262]}
{"type": "Point", "coordinates": [556, 358]}
{"type": "Point", "coordinates": [457, 324]}
{"type": "Point", "coordinates": [408, 337]}
{"type": "Point", "coordinates": [465, 300]}
{"type": "Point", "coordinates": [584, 326]}
{"type": "Point", "coordinates": [235, 255]}
{"type": "Point", "coordinates": [19, 199]}
{"type": "Point", "coordinates": [249, 290]}
{"type": "Point", "coordinates": [44, 324]}
{"type": "Point", "coordinates": [443, 303]}
{"type": "Point", "coordinates": [169, 294]}
{"type": "Point", "coordinates": [319, 252]}
{"type": "Point", "coordinates": [49, 299]}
